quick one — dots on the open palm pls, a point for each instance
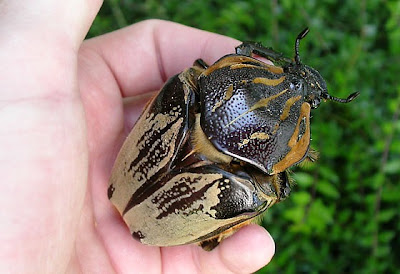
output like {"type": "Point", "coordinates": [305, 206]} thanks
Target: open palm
{"type": "Point", "coordinates": [65, 109]}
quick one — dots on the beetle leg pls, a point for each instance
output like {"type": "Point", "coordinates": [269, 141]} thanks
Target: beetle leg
{"type": "Point", "coordinates": [250, 48]}
{"type": "Point", "coordinates": [200, 63]}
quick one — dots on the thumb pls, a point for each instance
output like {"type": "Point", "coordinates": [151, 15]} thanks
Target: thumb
{"type": "Point", "coordinates": [68, 21]}
{"type": "Point", "coordinates": [42, 132]}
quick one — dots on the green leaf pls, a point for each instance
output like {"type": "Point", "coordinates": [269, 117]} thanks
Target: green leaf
{"type": "Point", "coordinates": [327, 189]}
{"type": "Point", "coordinates": [319, 216]}
{"type": "Point", "coordinates": [390, 194]}
{"type": "Point", "coordinates": [303, 179]}
{"type": "Point", "coordinates": [392, 167]}
{"type": "Point", "coordinates": [386, 236]}
{"type": "Point", "coordinates": [301, 198]}
{"type": "Point", "coordinates": [387, 215]}
{"type": "Point", "coordinates": [294, 215]}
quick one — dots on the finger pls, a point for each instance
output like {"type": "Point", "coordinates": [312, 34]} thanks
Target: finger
{"type": "Point", "coordinates": [246, 251]}
{"type": "Point", "coordinates": [133, 107]}
{"type": "Point", "coordinates": [43, 130]}
{"type": "Point", "coordinates": [181, 259]}
{"type": "Point", "coordinates": [25, 22]}
{"type": "Point", "coordinates": [127, 254]}
{"type": "Point", "coordinates": [143, 56]}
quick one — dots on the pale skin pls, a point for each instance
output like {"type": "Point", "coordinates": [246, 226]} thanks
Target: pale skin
{"type": "Point", "coordinates": [62, 121]}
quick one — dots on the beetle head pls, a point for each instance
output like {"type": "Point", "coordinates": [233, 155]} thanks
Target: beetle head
{"type": "Point", "coordinates": [314, 86]}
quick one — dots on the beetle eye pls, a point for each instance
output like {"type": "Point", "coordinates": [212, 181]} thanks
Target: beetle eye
{"type": "Point", "coordinates": [295, 85]}
{"type": "Point", "coordinates": [316, 102]}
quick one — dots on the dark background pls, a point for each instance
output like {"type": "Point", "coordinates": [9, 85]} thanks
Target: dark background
{"type": "Point", "coordinates": [343, 214]}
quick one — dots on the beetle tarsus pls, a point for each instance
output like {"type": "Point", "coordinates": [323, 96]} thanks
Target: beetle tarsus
{"type": "Point", "coordinates": [200, 63]}
{"type": "Point", "coordinates": [250, 48]}
{"type": "Point", "coordinates": [209, 245]}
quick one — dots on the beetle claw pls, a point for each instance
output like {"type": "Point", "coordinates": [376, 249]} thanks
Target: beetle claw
{"type": "Point", "coordinates": [200, 63]}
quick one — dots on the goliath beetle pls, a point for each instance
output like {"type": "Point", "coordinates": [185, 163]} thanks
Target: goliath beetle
{"type": "Point", "coordinates": [211, 151]}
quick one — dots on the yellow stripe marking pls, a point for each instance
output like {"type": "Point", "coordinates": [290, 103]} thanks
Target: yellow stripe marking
{"type": "Point", "coordinates": [262, 103]}
{"type": "Point", "coordinates": [268, 82]}
{"type": "Point", "coordinates": [255, 135]}
{"type": "Point", "coordinates": [228, 93]}
{"type": "Point", "coordinates": [289, 103]}
{"type": "Point", "coordinates": [259, 135]}
{"type": "Point", "coordinates": [276, 127]}
{"type": "Point", "coordinates": [245, 142]}
{"type": "Point", "coordinates": [298, 148]}
{"type": "Point", "coordinates": [217, 105]}
{"type": "Point", "coordinates": [270, 68]}
{"type": "Point", "coordinates": [225, 62]}
{"type": "Point", "coordinates": [274, 69]}
{"type": "Point", "coordinates": [236, 62]}
{"type": "Point", "coordinates": [227, 96]}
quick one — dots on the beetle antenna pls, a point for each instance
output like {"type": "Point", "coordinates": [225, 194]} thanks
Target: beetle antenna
{"type": "Point", "coordinates": [349, 98]}
{"type": "Point", "coordinates": [297, 43]}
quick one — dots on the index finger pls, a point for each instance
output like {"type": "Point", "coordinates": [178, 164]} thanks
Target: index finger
{"type": "Point", "coordinates": [143, 56]}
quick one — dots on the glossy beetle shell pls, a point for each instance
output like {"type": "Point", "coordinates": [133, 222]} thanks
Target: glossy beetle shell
{"type": "Point", "coordinates": [210, 152]}
{"type": "Point", "coordinates": [255, 112]}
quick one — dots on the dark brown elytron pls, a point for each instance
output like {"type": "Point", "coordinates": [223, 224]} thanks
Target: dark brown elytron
{"type": "Point", "coordinates": [212, 149]}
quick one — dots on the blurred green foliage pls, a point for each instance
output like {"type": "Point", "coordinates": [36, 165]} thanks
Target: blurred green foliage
{"type": "Point", "coordinates": [343, 215]}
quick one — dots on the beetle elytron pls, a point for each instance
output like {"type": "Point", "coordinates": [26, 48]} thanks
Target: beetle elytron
{"type": "Point", "coordinates": [211, 151]}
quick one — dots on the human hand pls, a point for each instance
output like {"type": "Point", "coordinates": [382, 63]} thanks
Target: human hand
{"type": "Point", "coordinates": [64, 114]}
